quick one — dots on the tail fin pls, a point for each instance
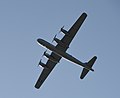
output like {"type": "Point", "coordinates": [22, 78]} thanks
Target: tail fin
{"type": "Point", "coordinates": [89, 64]}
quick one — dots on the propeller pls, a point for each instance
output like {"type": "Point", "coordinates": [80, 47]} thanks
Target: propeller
{"type": "Point", "coordinates": [57, 33]}
{"type": "Point", "coordinates": [39, 62]}
{"type": "Point", "coordinates": [61, 28]}
{"type": "Point", "coordinates": [42, 57]}
{"type": "Point", "coordinates": [54, 37]}
{"type": "Point", "coordinates": [44, 52]}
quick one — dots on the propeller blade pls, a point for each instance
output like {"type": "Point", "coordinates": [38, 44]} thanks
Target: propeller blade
{"type": "Point", "coordinates": [39, 62]}
{"type": "Point", "coordinates": [57, 33]}
{"type": "Point", "coordinates": [44, 52]}
{"type": "Point", "coordinates": [54, 37]}
{"type": "Point", "coordinates": [61, 29]}
{"type": "Point", "coordinates": [42, 55]}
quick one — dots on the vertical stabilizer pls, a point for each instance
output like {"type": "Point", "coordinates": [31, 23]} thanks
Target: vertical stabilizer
{"type": "Point", "coordinates": [89, 64]}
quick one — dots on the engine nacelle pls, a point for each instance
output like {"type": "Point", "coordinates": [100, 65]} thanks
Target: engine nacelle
{"type": "Point", "coordinates": [64, 31]}
{"type": "Point", "coordinates": [43, 65]}
{"type": "Point", "coordinates": [50, 57]}
{"type": "Point", "coordinates": [60, 43]}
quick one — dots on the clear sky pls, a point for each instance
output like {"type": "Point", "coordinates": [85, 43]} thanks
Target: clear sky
{"type": "Point", "coordinates": [23, 21]}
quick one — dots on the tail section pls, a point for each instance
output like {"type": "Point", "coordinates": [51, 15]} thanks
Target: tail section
{"type": "Point", "coordinates": [89, 64]}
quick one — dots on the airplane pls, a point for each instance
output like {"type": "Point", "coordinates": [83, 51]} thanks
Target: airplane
{"type": "Point", "coordinates": [59, 51]}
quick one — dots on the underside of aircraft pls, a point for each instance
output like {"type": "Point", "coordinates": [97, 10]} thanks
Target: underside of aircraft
{"type": "Point", "coordinates": [59, 51]}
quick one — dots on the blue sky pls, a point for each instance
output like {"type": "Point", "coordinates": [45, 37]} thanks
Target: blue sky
{"type": "Point", "coordinates": [23, 21]}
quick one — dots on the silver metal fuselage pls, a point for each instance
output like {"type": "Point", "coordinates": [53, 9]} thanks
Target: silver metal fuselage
{"type": "Point", "coordinates": [61, 53]}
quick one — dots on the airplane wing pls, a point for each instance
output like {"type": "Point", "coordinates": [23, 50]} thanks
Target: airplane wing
{"type": "Point", "coordinates": [45, 71]}
{"type": "Point", "coordinates": [73, 30]}
{"type": "Point", "coordinates": [66, 40]}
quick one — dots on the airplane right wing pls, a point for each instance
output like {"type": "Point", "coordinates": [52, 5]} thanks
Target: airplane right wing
{"type": "Point", "coordinates": [46, 71]}
{"type": "Point", "coordinates": [73, 30]}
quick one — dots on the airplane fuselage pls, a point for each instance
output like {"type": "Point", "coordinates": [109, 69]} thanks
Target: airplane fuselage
{"type": "Point", "coordinates": [61, 53]}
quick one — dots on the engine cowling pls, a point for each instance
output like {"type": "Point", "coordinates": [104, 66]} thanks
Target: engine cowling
{"type": "Point", "coordinates": [50, 57]}
{"type": "Point", "coordinates": [43, 65]}
{"type": "Point", "coordinates": [60, 43]}
{"type": "Point", "coordinates": [64, 31]}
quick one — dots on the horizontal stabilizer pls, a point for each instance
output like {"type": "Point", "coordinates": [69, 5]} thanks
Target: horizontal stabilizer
{"type": "Point", "coordinates": [89, 64]}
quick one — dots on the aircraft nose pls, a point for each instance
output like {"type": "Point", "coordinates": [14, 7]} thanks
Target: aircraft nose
{"type": "Point", "coordinates": [39, 41]}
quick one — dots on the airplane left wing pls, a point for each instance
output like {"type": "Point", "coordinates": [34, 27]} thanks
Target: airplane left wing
{"type": "Point", "coordinates": [73, 30]}
{"type": "Point", "coordinates": [50, 64]}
